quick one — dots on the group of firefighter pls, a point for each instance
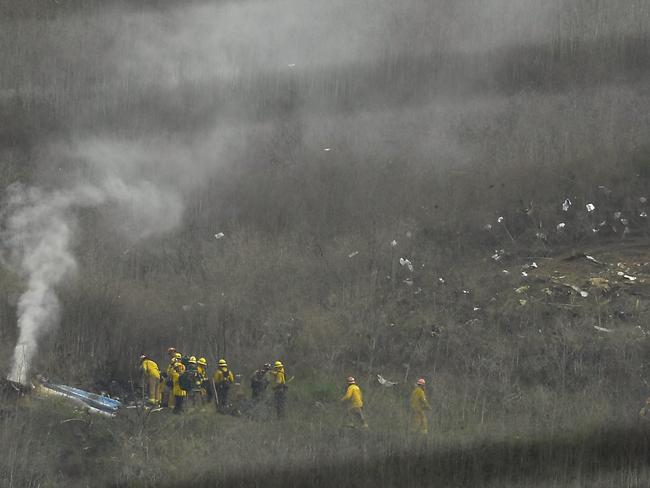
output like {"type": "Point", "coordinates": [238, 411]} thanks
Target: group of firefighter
{"type": "Point", "coordinates": [187, 378]}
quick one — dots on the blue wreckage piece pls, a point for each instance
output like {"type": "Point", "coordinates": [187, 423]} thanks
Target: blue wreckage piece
{"type": "Point", "coordinates": [104, 404]}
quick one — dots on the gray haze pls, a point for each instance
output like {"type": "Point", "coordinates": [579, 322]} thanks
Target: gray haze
{"type": "Point", "coordinates": [151, 104]}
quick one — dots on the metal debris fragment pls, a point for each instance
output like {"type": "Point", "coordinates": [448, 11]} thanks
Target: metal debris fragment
{"type": "Point", "coordinates": [220, 235]}
{"type": "Point", "coordinates": [566, 205]}
{"type": "Point", "coordinates": [384, 382]}
{"type": "Point", "coordinates": [593, 260]}
{"type": "Point", "coordinates": [498, 254]}
{"type": "Point", "coordinates": [590, 207]}
{"type": "Point", "coordinates": [393, 243]}
{"type": "Point", "coordinates": [500, 220]}
{"type": "Point", "coordinates": [407, 263]}
{"type": "Point", "coordinates": [352, 254]}
{"type": "Point", "coordinates": [603, 329]}
{"type": "Point", "coordinates": [560, 227]}
{"type": "Point", "coordinates": [600, 283]}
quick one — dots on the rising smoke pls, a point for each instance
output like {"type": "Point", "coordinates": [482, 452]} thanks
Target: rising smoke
{"type": "Point", "coordinates": [38, 240]}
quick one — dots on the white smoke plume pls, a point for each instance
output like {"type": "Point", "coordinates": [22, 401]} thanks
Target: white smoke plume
{"type": "Point", "coordinates": [38, 238]}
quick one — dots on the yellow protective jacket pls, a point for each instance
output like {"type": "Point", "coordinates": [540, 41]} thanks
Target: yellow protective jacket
{"type": "Point", "coordinates": [176, 387]}
{"type": "Point", "coordinates": [202, 373]}
{"type": "Point", "coordinates": [150, 368]}
{"type": "Point", "coordinates": [353, 396]}
{"type": "Point", "coordinates": [419, 401]}
{"type": "Point", "coordinates": [170, 369]}
{"type": "Point", "coordinates": [279, 379]}
{"type": "Point", "coordinates": [221, 376]}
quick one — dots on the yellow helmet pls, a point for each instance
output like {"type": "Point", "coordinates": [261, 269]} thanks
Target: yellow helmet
{"type": "Point", "coordinates": [177, 355]}
{"type": "Point", "coordinates": [278, 364]}
{"type": "Point", "coordinates": [202, 362]}
{"type": "Point", "coordinates": [192, 360]}
{"type": "Point", "coordinates": [222, 362]}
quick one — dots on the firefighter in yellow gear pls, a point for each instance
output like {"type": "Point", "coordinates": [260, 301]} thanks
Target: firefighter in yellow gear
{"type": "Point", "coordinates": [165, 391]}
{"type": "Point", "coordinates": [223, 380]}
{"type": "Point", "coordinates": [177, 392]}
{"type": "Point", "coordinates": [151, 379]}
{"type": "Point", "coordinates": [202, 370]}
{"type": "Point", "coordinates": [419, 406]}
{"type": "Point", "coordinates": [279, 387]}
{"type": "Point", "coordinates": [176, 359]}
{"type": "Point", "coordinates": [354, 400]}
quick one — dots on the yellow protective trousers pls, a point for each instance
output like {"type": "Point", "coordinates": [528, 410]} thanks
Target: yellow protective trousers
{"type": "Point", "coordinates": [153, 388]}
{"type": "Point", "coordinates": [420, 422]}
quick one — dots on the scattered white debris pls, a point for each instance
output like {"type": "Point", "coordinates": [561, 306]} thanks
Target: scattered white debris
{"type": "Point", "coordinates": [500, 220]}
{"type": "Point", "coordinates": [540, 235]}
{"type": "Point", "coordinates": [602, 329]}
{"type": "Point", "coordinates": [407, 263]}
{"type": "Point", "coordinates": [629, 277]}
{"type": "Point", "coordinates": [327, 149]}
{"type": "Point", "coordinates": [441, 280]}
{"type": "Point", "coordinates": [560, 227]}
{"type": "Point", "coordinates": [393, 243]}
{"type": "Point", "coordinates": [476, 309]}
{"type": "Point", "coordinates": [291, 65]}
{"type": "Point", "coordinates": [643, 199]}
{"type": "Point", "coordinates": [617, 215]}
{"type": "Point", "coordinates": [408, 282]}
{"type": "Point", "coordinates": [566, 205]}
{"type": "Point", "coordinates": [580, 292]}
{"type": "Point", "coordinates": [465, 292]}
{"type": "Point", "coordinates": [498, 254]}
{"type": "Point", "coordinates": [487, 227]}
{"type": "Point", "coordinates": [625, 221]}
{"type": "Point", "coordinates": [523, 302]}
{"type": "Point", "coordinates": [352, 254]}
{"type": "Point", "coordinates": [603, 223]}
{"type": "Point", "coordinates": [384, 382]}
{"type": "Point", "coordinates": [200, 304]}
{"type": "Point", "coordinates": [220, 235]}
{"type": "Point", "coordinates": [643, 214]}
{"type": "Point", "coordinates": [590, 207]}
{"type": "Point", "coordinates": [418, 291]}
{"type": "Point", "coordinates": [505, 271]}
{"type": "Point", "coordinates": [524, 274]}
